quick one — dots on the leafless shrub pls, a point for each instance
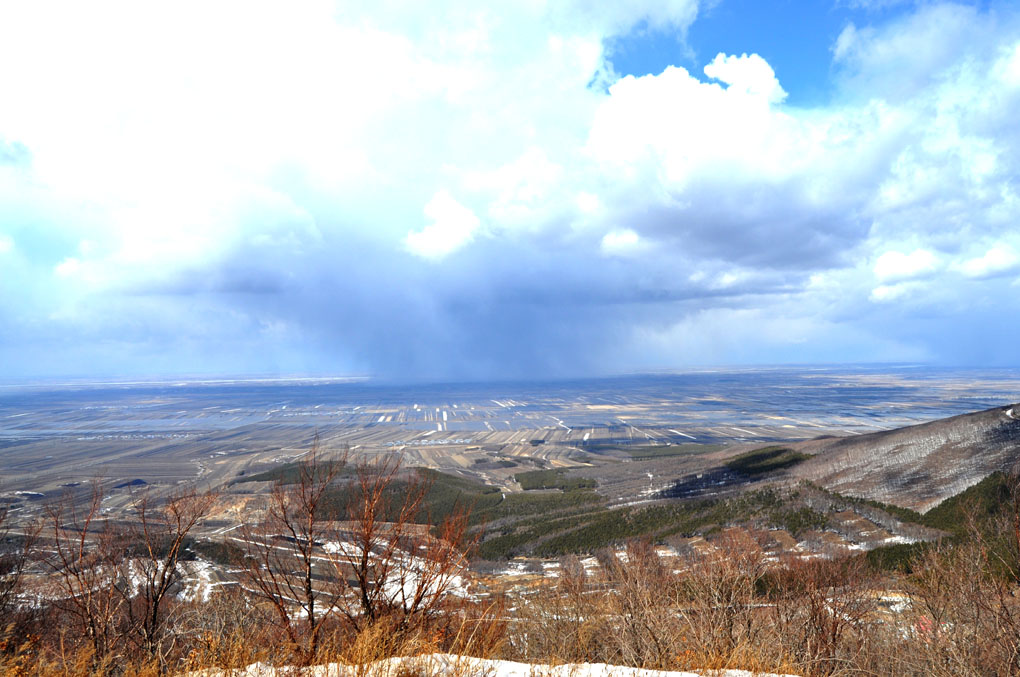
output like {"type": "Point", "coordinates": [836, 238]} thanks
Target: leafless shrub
{"type": "Point", "coordinates": [823, 610]}
{"type": "Point", "coordinates": [563, 623]}
{"type": "Point", "coordinates": [114, 582]}
{"type": "Point", "coordinates": [717, 600]}
{"type": "Point", "coordinates": [227, 631]}
{"type": "Point", "coordinates": [638, 611]}
{"type": "Point", "coordinates": [400, 569]}
{"type": "Point", "coordinates": [87, 554]}
{"type": "Point", "coordinates": [153, 570]}
{"type": "Point", "coordinates": [284, 550]}
{"type": "Point", "coordinates": [966, 616]}
{"type": "Point", "coordinates": [17, 548]}
{"type": "Point", "coordinates": [382, 566]}
{"type": "Point", "coordinates": [17, 620]}
{"type": "Point", "coordinates": [724, 609]}
{"type": "Point", "coordinates": [648, 627]}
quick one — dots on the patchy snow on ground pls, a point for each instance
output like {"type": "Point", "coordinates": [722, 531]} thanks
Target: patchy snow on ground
{"type": "Point", "coordinates": [436, 665]}
{"type": "Point", "coordinates": [345, 548]}
{"type": "Point", "coordinates": [518, 569]}
{"type": "Point", "coordinates": [896, 602]}
{"type": "Point", "coordinates": [196, 581]}
{"type": "Point", "coordinates": [551, 569]}
{"type": "Point", "coordinates": [409, 583]}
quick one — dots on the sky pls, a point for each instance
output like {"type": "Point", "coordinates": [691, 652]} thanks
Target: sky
{"type": "Point", "coordinates": [471, 190]}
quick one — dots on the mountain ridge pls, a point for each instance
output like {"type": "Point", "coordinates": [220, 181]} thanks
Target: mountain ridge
{"type": "Point", "coordinates": [917, 466]}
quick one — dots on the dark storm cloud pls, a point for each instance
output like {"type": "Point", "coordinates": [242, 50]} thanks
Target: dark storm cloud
{"type": "Point", "coordinates": [756, 226]}
{"type": "Point", "coordinates": [495, 309]}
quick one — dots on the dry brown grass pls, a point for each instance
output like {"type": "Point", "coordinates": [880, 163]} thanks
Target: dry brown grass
{"type": "Point", "coordinates": [813, 618]}
{"type": "Point", "coordinates": [730, 609]}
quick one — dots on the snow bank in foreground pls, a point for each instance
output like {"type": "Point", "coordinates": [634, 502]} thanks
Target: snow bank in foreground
{"type": "Point", "coordinates": [460, 666]}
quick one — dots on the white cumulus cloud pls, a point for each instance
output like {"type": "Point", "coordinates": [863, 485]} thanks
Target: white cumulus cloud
{"type": "Point", "coordinates": [998, 260]}
{"type": "Point", "coordinates": [622, 243]}
{"type": "Point", "coordinates": [452, 225]}
{"type": "Point", "coordinates": [895, 265]}
{"type": "Point", "coordinates": [889, 292]}
{"type": "Point", "coordinates": [750, 74]}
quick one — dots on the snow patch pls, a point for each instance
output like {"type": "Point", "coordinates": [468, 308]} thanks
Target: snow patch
{"type": "Point", "coordinates": [464, 666]}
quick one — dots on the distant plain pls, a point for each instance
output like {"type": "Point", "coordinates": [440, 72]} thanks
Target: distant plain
{"type": "Point", "coordinates": [52, 436]}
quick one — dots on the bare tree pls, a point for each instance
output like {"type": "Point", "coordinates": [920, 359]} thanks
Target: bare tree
{"type": "Point", "coordinates": [647, 629]}
{"type": "Point", "coordinates": [382, 562]}
{"type": "Point", "coordinates": [569, 622]}
{"type": "Point", "coordinates": [967, 616]}
{"type": "Point", "coordinates": [154, 569]}
{"type": "Point", "coordinates": [227, 631]}
{"type": "Point", "coordinates": [718, 594]}
{"type": "Point", "coordinates": [822, 610]}
{"type": "Point", "coordinates": [115, 581]}
{"type": "Point", "coordinates": [400, 568]}
{"type": "Point", "coordinates": [283, 551]}
{"type": "Point", "coordinates": [15, 553]}
{"type": "Point", "coordinates": [86, 558]}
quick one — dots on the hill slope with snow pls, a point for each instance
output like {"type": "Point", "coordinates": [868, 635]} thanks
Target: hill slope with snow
{"type": "Point", "coordinates": [919, 466]}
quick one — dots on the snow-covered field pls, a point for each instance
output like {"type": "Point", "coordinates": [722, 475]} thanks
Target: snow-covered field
{"type": "Point", "coordinates": [461, 666]}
